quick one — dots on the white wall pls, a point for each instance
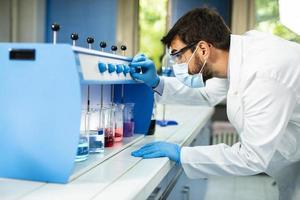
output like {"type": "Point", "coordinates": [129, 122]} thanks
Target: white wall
{"type": "Point", "coordinates": [22, 20]}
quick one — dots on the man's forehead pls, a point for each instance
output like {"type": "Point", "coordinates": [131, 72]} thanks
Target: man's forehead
{"type": "Point", "coordinates": [176, 44]}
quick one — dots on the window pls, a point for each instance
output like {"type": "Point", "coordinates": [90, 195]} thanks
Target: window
{"type": "Point", "coordinates": [267, 20]}
{"type": "Point", "coordinates": [152, 27]}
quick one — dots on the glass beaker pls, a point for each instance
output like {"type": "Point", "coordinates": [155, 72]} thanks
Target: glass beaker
{"type": "Point", "coordinates": [128, 117]}
{"type": "Point", "coordinates": [109, 126]}
{"type": "Point", "coordinates": [83, 144]}
{"type": "Point", "coordinates": [118, 122]}
{"type": "Point", "coordinates": [96, 135]}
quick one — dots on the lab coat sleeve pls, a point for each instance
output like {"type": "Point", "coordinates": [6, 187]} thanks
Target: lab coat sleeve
{"type": "Point", "coordinates": [174, 92]}
{"type": "Point", "coordinates": [267, 106]}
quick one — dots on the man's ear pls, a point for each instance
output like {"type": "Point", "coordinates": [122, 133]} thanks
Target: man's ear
{"type": "Point", "coordinates": [204, 48]}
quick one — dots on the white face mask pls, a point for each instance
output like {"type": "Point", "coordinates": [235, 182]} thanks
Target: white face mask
{"type": "Point", "coordinates": [182, 74]}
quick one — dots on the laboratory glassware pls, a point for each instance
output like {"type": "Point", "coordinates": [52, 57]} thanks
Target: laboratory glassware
{"type": "Point", "coordinates": [119, 122]}
{"type": "Point", "coordinates": [109, 126]}
{"type": "Point", "coordinates": [96, 133]}
{"type": "Point", "coordinates": [128, 125]}
{"type": "Point", "coordinates": [83, 144]}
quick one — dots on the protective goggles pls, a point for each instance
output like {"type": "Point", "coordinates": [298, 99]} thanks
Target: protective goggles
{"type": "Point", "coordinates": [178, 57]}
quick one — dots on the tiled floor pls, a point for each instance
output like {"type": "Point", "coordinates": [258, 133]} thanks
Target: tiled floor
{"type": "Point", "coordinates": [258, 187]}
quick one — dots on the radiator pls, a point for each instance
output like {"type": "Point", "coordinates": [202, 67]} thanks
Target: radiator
{"type": "Point", "coordinates": [223, 132]}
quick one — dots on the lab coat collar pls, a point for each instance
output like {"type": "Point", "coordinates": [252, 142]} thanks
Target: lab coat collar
{"type": "Point", "coordinates": [235, 62]}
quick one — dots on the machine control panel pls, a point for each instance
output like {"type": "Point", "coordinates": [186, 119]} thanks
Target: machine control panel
{"type": "Point", "coordinates": [97, 66]}
{"type": "Point", "coordinates": [100, 66]}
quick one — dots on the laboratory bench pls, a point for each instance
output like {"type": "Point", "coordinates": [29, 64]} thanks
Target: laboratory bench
{"type": "Point", "coordinates": [116, 174]}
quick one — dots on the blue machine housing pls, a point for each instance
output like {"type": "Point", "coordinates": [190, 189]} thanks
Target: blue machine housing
{"type": "Point", "coordinates": [40, 107]}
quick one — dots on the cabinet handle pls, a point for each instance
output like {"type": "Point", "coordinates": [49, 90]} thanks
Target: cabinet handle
{"type": "Point", "coordinates": [186, 192]}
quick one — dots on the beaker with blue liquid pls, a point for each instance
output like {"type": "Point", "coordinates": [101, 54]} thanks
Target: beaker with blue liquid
{"type": "Point", "coordinates": [83, 144]}
{"type": "Point", "coordinates": [96, 132]}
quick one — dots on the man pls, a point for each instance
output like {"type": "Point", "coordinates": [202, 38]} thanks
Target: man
{"type": "Point", "coordinates": [258, 73]}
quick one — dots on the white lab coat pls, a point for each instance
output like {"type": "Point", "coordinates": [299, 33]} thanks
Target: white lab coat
{"type": "Point", "coordinates": [263, 93]}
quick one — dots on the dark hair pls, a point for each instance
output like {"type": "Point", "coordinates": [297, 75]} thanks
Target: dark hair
{"type": "Point", "coordinates": [200, 24]}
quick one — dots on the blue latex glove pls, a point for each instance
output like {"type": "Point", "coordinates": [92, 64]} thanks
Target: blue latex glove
{"type": "Point", "coordinates": [148, 75]}
{"type": "Point", "coordinates": [159, 149]}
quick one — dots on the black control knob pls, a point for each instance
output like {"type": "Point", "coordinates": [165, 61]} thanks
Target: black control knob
{"type": "Point", "coordinates": [123, 48]}
{"type": "Point", "coordinates": [114, 48]}
{"type": "Point", "coordinates": [90, 41]}
{"type": "Point", "coordinates": [103, 45]}
{"type": "Point", "coordinates": [55, 27]}
{"type": "Point", "coordinates": [74, 38]}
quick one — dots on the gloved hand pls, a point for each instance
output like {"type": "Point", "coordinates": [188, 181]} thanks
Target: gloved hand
{"type": "Point", "coordinates": [159, 149]}
{"type": "Point", "coordinates": [148, 75]}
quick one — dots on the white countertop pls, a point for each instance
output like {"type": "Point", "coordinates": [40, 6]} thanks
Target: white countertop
{"type": "Point", "coordinates": [120, 176]}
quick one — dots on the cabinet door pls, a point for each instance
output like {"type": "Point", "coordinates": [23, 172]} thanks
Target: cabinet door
{"type": "Point", "coordinates": [188, 189]}
{"type": "Point", "coordinates": [176, 185]}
